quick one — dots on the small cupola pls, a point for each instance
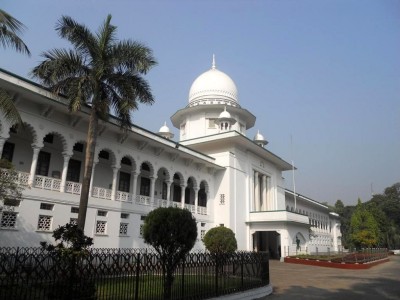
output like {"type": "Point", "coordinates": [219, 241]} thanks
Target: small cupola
{"type": "Point", "coordinates": [259, 139]}
{"type": "Point", "coordinates": [225, 121]}
{"type": "Point", "coordinates": [165, 132]}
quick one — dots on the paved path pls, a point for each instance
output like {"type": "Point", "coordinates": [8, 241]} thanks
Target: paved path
{"type": "Point", "coordinates": [297, 282]}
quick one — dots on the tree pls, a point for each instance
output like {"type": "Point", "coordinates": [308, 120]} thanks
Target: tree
{"type": "Point", "coordinates": [172, 232]}
{"type": "Point", "coordinates": [220, 240]}
{"type": "Point", "coordinates": [10, 190]}
{"type": "Point", "coordinates": [10, 28]}
{"type": "Point", "coordinates": [363, 227]}
{"type": "Point", "coordinates": [101, 73]}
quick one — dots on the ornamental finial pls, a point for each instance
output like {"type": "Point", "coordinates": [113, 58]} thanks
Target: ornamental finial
{"type": "Point", "coordinates": [213, 62]}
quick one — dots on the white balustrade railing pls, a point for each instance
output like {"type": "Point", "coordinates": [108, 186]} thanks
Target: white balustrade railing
{"type": "Point", "coordinates": [123, 196]}
{"type": "Point", "coordinates": [101, 193]}
{"type": "Point", "coordinates": [191, 208]}
{"type": "Point", "coordinates": [19, 177]}
{"type": "Point", "coordinates": [47, 183]}
{"type": "Point", "coordinates": [201, 210]}
{"type": "Point", "coordinates": [142, 200]}
{"type": "Point", "coordinates": [73, 187]}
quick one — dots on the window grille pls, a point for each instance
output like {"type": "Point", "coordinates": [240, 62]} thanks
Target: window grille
{"type": "Point", "coordinates": [202, 234]}
{"type": "Point", "coordinates": [141, 229]}
{"type": "Point", "coordinates": [73, 221]}
{"type": "Point", "coordinates": [222, 199]}
{"type": "Point", "coordinates": [8, 220]}
{"type": "Point", "coordinates": [101, 227]}
{"type": "Point", "coordinates": [102, 213]}
{"type": "Point", "coordinates": [44, 223]}
{"type": "Point", "coordinates": [123, 228]}
{"type": "Point", "coordinates": [46, 206]}
{"type": "Point", "coordinates": [74, 209]}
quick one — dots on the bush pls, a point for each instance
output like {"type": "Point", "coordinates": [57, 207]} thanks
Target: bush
{"type": "Point", "coordinates": [220, 240]}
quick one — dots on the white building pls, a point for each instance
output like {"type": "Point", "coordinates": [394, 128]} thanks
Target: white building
{"type": "Point", "coordinates": [215, 171]}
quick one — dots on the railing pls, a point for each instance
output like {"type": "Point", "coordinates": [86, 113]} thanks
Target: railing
{"type": "Point", "coordinates": [101, 193]}
{"type": "Point", "coordinates": [54, 184]}
{"type": "Point", "coordinates": [73, 187]}
{"type": "Point", "coordinates": [47, 183]}
{"type": "Point", "coordinates": [33, 273]}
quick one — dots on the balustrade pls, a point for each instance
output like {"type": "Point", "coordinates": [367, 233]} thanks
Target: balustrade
{"type": "Point", "coordinates": [101, 193]}
{"type": "Point", "coordinates": [73, 187]}
{"type": "Point", "coordinates": [123, 196]}
{"type": "Point", "coordinates": [47, 183]}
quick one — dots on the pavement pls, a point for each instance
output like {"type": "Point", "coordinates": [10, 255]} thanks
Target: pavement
{"type": "Point", "coordinates": [294, 281]}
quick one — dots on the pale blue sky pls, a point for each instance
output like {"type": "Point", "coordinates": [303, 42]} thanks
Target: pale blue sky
{"type": "Point", "coordinates": [326, 73]}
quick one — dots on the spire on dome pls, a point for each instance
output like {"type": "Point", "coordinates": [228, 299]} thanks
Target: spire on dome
{"type": "Point", "coordinates": [213, 63]}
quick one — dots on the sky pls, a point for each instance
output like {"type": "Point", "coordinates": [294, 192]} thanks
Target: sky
{"type": "Point", "coordinates": [321, 77]}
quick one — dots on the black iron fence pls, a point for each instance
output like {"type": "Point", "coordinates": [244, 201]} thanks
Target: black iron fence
{"type": "Point", "coordinates": [34, 273]}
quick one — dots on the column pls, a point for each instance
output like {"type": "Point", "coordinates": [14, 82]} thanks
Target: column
{"type": "Point", "coordinates": [270, 196]}
{"type": "Point", "coordinates": [134, 176]}
{"type": "Point", "coordinates": [152, 188]}
{"type": "Point", "coordinates": [64, 171]}
{"type": "Point", "coordinates": [2, 142]}
{"type": "Point", "coordinates": [196, 199]}
{"type": "Point", "coordinates": [264, 193]}
{"type": "Point", "coordinates": [91, 178]}
{"type": "Point", "coordinates": [168, 192]}
{"type": "Point", "coordinates": [256, 191]}
{"type": "Point", "coordinates": [183, 195]}
{"type": "Point", "coordinates": [114, 182]}
{"type": "Point", "coordinates": [36, 150]}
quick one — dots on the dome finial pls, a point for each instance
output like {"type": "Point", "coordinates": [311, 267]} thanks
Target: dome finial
{"type": "Point", "coordinates": [213, 62]}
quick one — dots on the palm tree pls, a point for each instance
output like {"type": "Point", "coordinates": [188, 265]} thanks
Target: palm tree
{"type": "Point", "coordinates": [101, 73]}
{"type": "Point", "coordinates": [9, 30]}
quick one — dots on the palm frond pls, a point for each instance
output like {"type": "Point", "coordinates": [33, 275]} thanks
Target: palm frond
{"type": "Point", "coordinates": [133, 56]}
{"type": "Point", "coordinates": [9, 30]}
{"type": "Point", "coordinates": [8, 108]}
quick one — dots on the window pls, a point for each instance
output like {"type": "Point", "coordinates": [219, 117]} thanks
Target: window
{"type": "Point", "coordinates": [73, 221]}
{"type": "Point", "coordinates": [74, 170]}
{"type": "Point", "coordinates": [49, 139]}
{"type": "Point", "coordinates": [8, 151]}
{"type": "Point", "coordinates": [211, 123]}
{"type": "Point", "coordinates": [203, 224]}
{"type": "Point", "coordinates": [124, 182]}
{"type": "Point", "coordinates": [44, 223]}
{"type": "Point", "coordinates": [222, 199]}
{"type": "Point", "coordinates": [141, 230]}
{"type": "Point", "coordinates": [145, 186]}
{"type": "Point", "coordinates": [43, 163]}
{"type": "Point", "coordinates": [102, 213]}
{"type": "Point", "coordinates": [74, 209]}
{"type": "Point", "coordinates": [104, 154]}
{"type": "Point", "coordinates": [142, 218]}
{"type": "Point", "coordinates": [164, 191]}
{"type": "Point", "coordinates": [177, 193]}
{"type": "Point", "coordinates": [124, 216]}
{"type": "Point", "coordinates": [123, 228]}
{"type": "Point", "coordinates": [101, 227]}
{"type": "Point", "coordinates": [78, 147]}
{"type": "Point", "coordinates": [12, 202]}
{"type": "Point", "coordinates": [202, 197]}
{"type": "Point", "coordinates": [8, 220]}
{"type": "Point", "coordinates": [46, 206]}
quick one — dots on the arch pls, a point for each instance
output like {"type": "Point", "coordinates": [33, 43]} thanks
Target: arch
{"type": "Point", "coordinates": [132, 162]}
{"type": "Point", "coordinates": [176, 190]}
{"type": "Point", "coordinates": [58, 136]}
{"type": "Point", "coordinates": [190, 190]}
{"type": "Point", "coordinates": [163, 177]}
{"type": "Point", "coordinates": [100, 154]}
{"type": "Point", "coordinates": [202, 194]}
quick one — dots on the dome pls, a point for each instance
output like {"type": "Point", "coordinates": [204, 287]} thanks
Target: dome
{"type": "Point", "coordinates": [213, 85]}
{"type": "Point", "coordinates": [225, 115]}
{"type": "Point", "coordinates": [259, 139]}
{"type": "Point", "coordinates": [165, 132]}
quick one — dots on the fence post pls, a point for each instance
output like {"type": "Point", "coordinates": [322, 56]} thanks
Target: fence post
{"type": "Point", "coordinates": [241, 269]}
{"type": "Point", "coordinates": [183, 279]}
{"type": "Point", "coordinates": [137, 277]}
{"type": "Point", "coordinates": [216, 274]}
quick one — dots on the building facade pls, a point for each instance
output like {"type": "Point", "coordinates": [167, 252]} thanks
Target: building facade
{"type": "Point", "coordinates": [214, 170]}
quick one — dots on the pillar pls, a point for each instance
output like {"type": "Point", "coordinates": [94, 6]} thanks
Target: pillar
{"type": "Point", "coordinates": [66, 157]}
{"type": "Point", "coordinates": [264, 193]}
{"type": "Point", "coordinates": [36, 150]}
{"type": "Point", "coordinates": [152, 187]}
{"type": "Point", "coordinates": [196, 199]}
{"type": "Point", "coordinates": [91, 178]}
{"type": "Point", "coordinates": [134, 184]}
{"type": "Point", "coordinates": [183, 195]}
{"type": "Point", "coordinates": [256, 191]}
{"type": "Point", "coordinates": [114, 182]}
{"type": "Point", "coordinates": [168, 191]}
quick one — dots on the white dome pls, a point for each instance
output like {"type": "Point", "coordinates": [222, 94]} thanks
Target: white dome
{"type": "Point", "coordinates": [164, 129]}
{"type": "Point", "coordinates": [225, 115]}
{"type": "Point", "coordinates": [259, 139]}
{"type": "Point", "coordinates": [214, 85]}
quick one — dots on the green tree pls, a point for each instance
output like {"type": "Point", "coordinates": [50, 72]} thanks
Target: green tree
{"type": "Point", "coordinates": [10, 190]}
{"type": "Point", "coordinates": [220, 240]}
{"type": "Point", "coordinates": [363, 227]}
{"type": "Point", "coordinates": [101, 73]}
{"type": "Point", "coordinates": [172, 232]}
{"type": "Point", "coordinates": [339, 207]}
{"type": "Point", "coordinates": [10, 28]}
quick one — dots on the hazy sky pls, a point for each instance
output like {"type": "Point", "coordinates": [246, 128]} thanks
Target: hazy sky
{"type": "Point", "coordinates": [326, 73]}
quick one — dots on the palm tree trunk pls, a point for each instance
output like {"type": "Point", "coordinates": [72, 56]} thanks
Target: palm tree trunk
{"type": "Point", "coordinates": [87, 175]}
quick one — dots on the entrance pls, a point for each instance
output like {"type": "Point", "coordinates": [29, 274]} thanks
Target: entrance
{"type": "Point", "coordinates": [268, 241]}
